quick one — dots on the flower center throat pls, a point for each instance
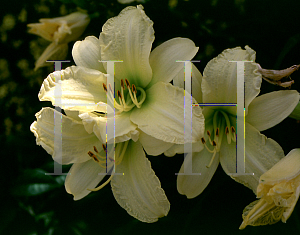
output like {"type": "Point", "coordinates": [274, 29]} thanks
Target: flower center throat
{"type": "Point", "coordinates": [135, 96]}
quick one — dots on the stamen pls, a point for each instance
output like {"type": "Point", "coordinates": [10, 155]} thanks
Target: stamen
{"type": "Point", "coordinates": [214, 143]}
{"type": "Point", "coordinates": [212, 159]}
{"type": "Point", "coordinates": [203, 142]}
{"type": "Point", "coordinates": [93, 156]}
{"type": "Point", "coordinates": [104, 147]}
{"type": "Point", "coordinates": [104, 87]}
{"type": "Point", "coordinates": [133, 88]}
{"type": "Point", "coordinates": [217, 132]}
{"type": "Point", "coordinates": [233, 134]}
{"type": "Point", "coordinates": [119, 95]}
{"type": "Point", "coordinates": [127, 83]}
{"type": "Point", "coordinates": [124, 147]}
{"type": "Point", "coordinates": [226, 130]}
{"type": "Point", "coordinates": [208, 133]}
{"type": "Point", "coordinates": [102, 185]}
{"type": "Point", "coordinates": [228, 135]}
{"type": "Point", "coordinates": [122, 84]}
{"type": "Point", "coordinates": [95, 149]}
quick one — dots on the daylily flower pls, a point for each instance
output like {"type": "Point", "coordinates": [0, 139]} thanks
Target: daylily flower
{"type": "Point", "coordinates": [145, 200]}
{"type": "Point", "coordinates": [59, 31]}
{"type": "Point", "coordinates": [278, 190]}
{"type": "Point", "coordinates": [219, 85]}
{"type": "Point", "coordinates": [148, 106]}
{"type": "Point", "coordinates": [149, 111]}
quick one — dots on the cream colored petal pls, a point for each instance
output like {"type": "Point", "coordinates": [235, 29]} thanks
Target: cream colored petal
{"type": "Point", "coordinates": [76, 142]}
{"type": "Point", "coordinates": [219, 83]}
{"type": "Point", "coordinates": [124, 128]}
{"type": "Point", "coordinates": [73, 114]}
{"type": "Point", "coordinates": [193, 185]}
{"type": "Point", "coordinates": [196, 82]}
{"type": "Point", "coordinates": [83, 176]}
{"type": "Point", "coordinates": [129, 37]}
{"type": "Point", "coordinates": [179, 149]}
{"type": "Point", "coordinates": [139, 191]}
{"type": "Point", "coordinates": [77, 22]}
{"type": "Point", "coordinates": [270, 109]}
{"type": "Point", "coordinates": [152, 145]}
{"type": "Point", "coordinates": [87, 53]}
{"type": "Point", "coordinates": [261, 153]}
{"type": "Point", "coordinates": [163, 59]}
{"type": "Point", "coordinates": [79, 89]}
{"type": "Point", "coordinates": [288, 211]}
{"type": "Point", "coordinates": [286, 169]}
{"type": "Point", "coordinates": [162, 115]}
{"type": "Point", "coordinates": [52, 52]}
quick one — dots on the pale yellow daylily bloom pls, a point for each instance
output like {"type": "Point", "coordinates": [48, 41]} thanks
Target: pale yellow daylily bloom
{"type": "Point", "coordinates": [219, 85]}
{"type": "Point", "coordinates": [145, 200]}
{"type": "Point", "coordinates": [59, 31]}
{"type": "Point", "coordinates": [278, 190]}
{"type": "Point", "coordinates": [147, 103]}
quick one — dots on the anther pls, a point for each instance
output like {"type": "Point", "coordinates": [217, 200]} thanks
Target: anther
{"type": "Point", "coordinates": [104, 87]}
{"type": "Point", "coordinates": [208, 133]}
{"type": "Point", "coordinates": [122, 84]}
{"type": "Point", "coordinates": [119, 94]}
{"type": "Point", "coordinates": [217, 132]}
{"type": "Point", "coordinates": [127, 83]}
{"type": "Point", "coordinates": [214, 143]}
{"type": "Point", "coordinates": [95, 149]}
{"type": "Point", "coordinates": [104, 147]}
{"type": "Point", "coordinates": [203, 140]}
{"type": "Point", "coordinates": [232, 129]}
{"type": "Point", "coordinates": [133, 88]}
{"type": "Point", "coordinates": [226, 130]}
{"type": "Point", "coordinates": [93, 156]}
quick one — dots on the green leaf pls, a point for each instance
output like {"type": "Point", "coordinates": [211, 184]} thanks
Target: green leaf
{"type": "Point", "coordinates": [33, 189]}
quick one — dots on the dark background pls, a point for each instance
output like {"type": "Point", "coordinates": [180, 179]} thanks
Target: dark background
{"type": "Point", "coordinates": [33, 203]}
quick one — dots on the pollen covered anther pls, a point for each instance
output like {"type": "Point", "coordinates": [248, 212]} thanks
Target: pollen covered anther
{"type": "Point", "coordinates": [208, 133]}
{"type": "Point", "coordinates": [119, 94]}
{"type": "Point", "coordinates": [95, 149]}
{"type": "Point", "coordinates": [134, 89]}
{"type": "Point", "coordinates": [104, 147]}
{"type": "Point", "coordinates": [217, 132]}
{"type": "Point", "coordinates": [214, 143]}
{"type": "Point", "coordinates": [226, 130]}
{"type": "Point", "coordinates": [104, 87]}
{"type": "Point", "coordinates": [203, 140]}
{"type": "Point", "coordinates": [93, 156]}
{"type": "Point", "coordinates": [127, 83]}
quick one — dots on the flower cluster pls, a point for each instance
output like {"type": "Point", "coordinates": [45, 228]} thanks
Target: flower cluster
{"type": "Point", "coordinates": [149, 117]}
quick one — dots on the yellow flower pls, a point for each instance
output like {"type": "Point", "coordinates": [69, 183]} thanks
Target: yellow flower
{"type": "Point", "coordinates": [278, 190]}
{"type": "Point", "coordinates": [60, 31]}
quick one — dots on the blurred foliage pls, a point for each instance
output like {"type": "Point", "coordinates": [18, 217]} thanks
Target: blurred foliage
{"type": "Point", "coordinates": [35, 203]}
